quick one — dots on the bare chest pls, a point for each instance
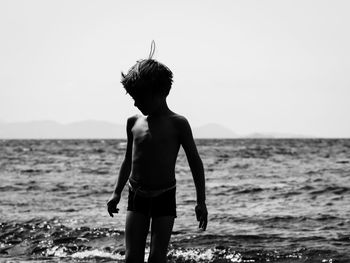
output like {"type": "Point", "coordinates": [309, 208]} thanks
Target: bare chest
{"type": "Point", "coordinates": [154, 133]}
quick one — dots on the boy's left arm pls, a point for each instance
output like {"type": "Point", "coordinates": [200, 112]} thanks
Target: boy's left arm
{"type": "Point", "coordinates": [197, 170]}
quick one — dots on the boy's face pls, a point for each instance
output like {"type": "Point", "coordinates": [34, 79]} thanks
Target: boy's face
{"type": "Point", "coordinates": [146, 103]}
{"type": "Point", "coordinates": [141, 103]}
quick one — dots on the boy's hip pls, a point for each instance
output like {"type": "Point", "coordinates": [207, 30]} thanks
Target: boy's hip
{"type": "Point", "coordinates": [141, 190]}
{"type": "Point", "coordinates": [163, 204]}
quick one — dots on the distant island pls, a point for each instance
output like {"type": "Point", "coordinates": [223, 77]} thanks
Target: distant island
{"type": "Point", "coordinates": [91, 129]}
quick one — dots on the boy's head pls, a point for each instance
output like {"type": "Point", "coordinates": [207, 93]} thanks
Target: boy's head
{"type": "Point", "coordinates": [148, 77]}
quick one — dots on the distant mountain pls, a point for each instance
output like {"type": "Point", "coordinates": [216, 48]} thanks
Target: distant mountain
{"type": "Point", "coordinates": [213, 130]}
{"type": "Point", "coordinates": [91, 129]}
{"type": "Point", "coordinates": [55, 130]}
{"type": "Point", "coordinates": [275, 135]}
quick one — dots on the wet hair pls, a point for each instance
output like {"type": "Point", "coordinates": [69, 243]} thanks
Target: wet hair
{"type": "Point", "coordinates": [148, 76]}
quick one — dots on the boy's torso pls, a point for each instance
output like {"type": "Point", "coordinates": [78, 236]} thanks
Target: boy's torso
{"type": "Point", "coordinates": [155, 148]}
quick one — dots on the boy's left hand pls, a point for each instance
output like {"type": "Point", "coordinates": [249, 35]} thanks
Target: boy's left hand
{"type": "Point", "coordinates": [202, 215]}
{"type": "Point", "coordinates": [112, 204]}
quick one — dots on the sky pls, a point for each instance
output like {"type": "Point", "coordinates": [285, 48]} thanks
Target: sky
{"type": "Point", "coordinates": [252, 66]}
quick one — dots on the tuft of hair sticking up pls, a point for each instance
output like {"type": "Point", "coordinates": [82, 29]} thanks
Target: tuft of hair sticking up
{"type": "Point", "coordinates": [148, 76]}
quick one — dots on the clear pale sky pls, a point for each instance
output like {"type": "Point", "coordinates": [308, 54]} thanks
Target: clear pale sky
{"type": "Point", "coordinates": [252, 66]}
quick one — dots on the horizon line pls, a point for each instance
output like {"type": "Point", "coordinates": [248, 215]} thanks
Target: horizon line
{"type": "Point", "coordinates": [248, 135]}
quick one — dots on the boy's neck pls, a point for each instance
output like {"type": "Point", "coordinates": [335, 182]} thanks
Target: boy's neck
{"type": "Point", "coordinates": [162, 109]}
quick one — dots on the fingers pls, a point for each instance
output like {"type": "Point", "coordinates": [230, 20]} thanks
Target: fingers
{"type": "Point", "coordinates": [198, 211]}
{"type": "Point", "coordinates": [198, 215]}
{"type": "Point", "coordinates": [202, 216]}
{"type": "Point", "coordinates": [112, 208]}
{"type": "Point", "coordinates": [203, 222]}
{"type": "Point", "coordinates": [110, 214]}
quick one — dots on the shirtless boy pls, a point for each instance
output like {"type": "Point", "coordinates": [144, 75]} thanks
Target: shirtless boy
{"type": "Point", "coordinates": [153, 142]}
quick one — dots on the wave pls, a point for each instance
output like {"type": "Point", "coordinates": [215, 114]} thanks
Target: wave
{"type": "Point", "coordinates": [334, 189]}
{"type": "Point", "coordinates": [51, 240]}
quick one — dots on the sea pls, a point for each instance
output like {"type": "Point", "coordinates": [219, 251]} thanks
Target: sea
{"type": "Point", "coordinates": [269, 200]}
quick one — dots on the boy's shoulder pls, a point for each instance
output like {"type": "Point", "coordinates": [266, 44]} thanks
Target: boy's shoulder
{"type": "Point", "coordinates": [131, 121]}
{"type": "Point", "coordinates": [180, 122]}
{"type": "Point", "coordinates": [180, 119]}
{"type": "Point", "coordinates": [134, 117]}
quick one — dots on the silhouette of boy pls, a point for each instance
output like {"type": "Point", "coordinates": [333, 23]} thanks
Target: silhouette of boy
{"type": "Point", "coordinates": [153, 142]}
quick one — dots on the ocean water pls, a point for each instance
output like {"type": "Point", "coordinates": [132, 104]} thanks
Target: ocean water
{"type": "Point", "coordinates": [269, 200]}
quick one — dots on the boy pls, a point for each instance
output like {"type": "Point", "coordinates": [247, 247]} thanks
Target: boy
{"type": "Point", "coordinates": [153, 142]}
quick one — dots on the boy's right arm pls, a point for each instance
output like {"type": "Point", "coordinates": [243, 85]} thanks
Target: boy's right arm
{"type": "Point", "coordinates": [124, 172]}
{"type": "Point", "coordinates": [197, 170]}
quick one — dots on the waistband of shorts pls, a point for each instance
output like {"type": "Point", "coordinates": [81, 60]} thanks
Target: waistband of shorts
{"type": "Point", "coordinates": [142, 191]}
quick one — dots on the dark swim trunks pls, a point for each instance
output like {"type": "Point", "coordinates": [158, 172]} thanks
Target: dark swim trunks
{"type": "Point", "coordinates": [157, 206]}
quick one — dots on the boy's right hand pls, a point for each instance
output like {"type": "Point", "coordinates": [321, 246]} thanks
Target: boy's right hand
{"type": "Point", "coordinates": [202, 215]}
{"type": "Point", "coordinates": [112, 204]}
